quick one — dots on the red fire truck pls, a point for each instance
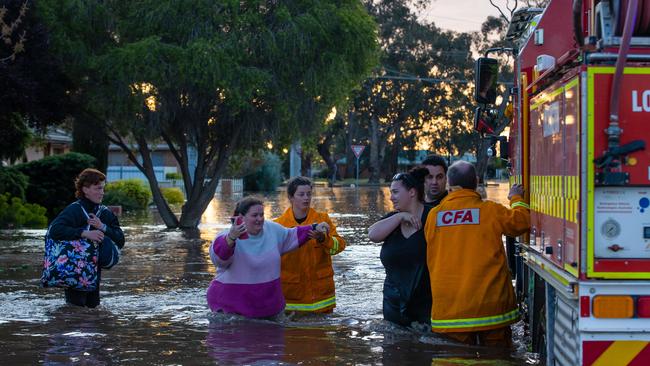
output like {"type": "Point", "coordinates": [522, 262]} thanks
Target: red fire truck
{"type": "Point", "coordinates": [578, 134]}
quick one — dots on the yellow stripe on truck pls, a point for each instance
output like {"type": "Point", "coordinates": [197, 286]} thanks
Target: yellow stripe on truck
{"type": "Point", "coordinates": [620, 353]}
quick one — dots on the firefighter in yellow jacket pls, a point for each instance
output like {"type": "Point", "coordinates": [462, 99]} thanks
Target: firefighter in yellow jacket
{"type": "Point", "coordinates": [307, 275]}
{"type": "Point", "coordinates": [473, 298]}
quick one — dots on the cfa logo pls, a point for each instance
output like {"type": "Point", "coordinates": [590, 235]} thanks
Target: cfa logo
{"type": "Point", "coordinates": [642, 105]}
{"type": "Point", "coordinates": [468, 216]}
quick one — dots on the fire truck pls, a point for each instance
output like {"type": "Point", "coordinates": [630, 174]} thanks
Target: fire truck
{"type": "Point", "coordinates": [577, 142]}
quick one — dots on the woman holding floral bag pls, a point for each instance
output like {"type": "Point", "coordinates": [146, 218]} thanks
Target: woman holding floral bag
{"type": "Point", "coordinates": [88, 219]}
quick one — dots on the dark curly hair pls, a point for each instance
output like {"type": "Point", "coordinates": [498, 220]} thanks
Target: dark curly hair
{"type": "Point", "coordinates": [88, 177]}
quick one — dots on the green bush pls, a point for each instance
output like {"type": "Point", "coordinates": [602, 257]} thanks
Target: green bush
{"type": "Point", "coordinates": [13, 182]}
{"type": "Point", "coordinates": [15, 213]}
{"type": "Point", "coordinates": [173, 195]}
{"type": "Point", "coordinates": [120, 198]}
{"type": "Point", "coordinates": [51, 180]}
{"type": "Point", "coordinates": [173, 176]}
{"type": "Point", "coordinates": [267, 177]}
{"type": "Point", "coordinates": [131, 194]}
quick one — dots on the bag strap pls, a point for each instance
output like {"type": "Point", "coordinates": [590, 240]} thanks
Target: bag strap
{"type": "Point", "coordinates": [84, 211]}
{"type": "Point", "coordinates": [100, 209]}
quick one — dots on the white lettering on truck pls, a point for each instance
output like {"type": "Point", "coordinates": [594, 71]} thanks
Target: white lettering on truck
{"type": "Point", "coordinates": [642, 105]}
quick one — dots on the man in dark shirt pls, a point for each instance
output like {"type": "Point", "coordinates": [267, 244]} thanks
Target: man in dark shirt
{"type": "Point", "coordinates": [435, 184]}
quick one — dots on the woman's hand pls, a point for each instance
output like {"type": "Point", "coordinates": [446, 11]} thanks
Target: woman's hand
{"type": "Point", "coordinates": [319, 232]}
{"type": "Point", "coordinates": [236, 230]}
{"type": "Point", "coordinates": [94, 235]}
{"type": "Point", "coordinates": [95, 222]}
{"type": "Point", "coordinates": [410, 220]}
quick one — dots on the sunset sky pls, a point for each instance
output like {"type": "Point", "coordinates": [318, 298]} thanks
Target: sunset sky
{"type": "Point", "coordinates": [460, 15]}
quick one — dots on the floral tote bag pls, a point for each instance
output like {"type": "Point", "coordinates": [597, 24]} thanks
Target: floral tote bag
{"type": "Point", "coordinates": [70, 263]}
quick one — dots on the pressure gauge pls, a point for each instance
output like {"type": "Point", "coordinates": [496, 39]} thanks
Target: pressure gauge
{"type": "Point", "coordinates": [610, 229]}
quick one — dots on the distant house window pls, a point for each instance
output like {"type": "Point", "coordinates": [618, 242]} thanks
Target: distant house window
{"type": "Point", "coordinates": [158, 158]}
{"type": "Point", "coordinates": [57, 151]}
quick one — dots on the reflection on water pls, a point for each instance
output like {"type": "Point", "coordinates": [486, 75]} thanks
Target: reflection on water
{"type": "Point", "coordinates": [154, 309]}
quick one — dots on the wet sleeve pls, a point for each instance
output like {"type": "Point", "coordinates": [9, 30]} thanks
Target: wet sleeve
{"type": "Point", "coordinates": [113, 229]}
{"type": "Point", "coordinates": [294, 238]}
{"type": "Point", "coordinates": [220, 252]}
{"type": "Point", "coordinates": [515, 220]}
{"type": "Point", "coordinates": [334, 244]}
{"type": "Point", "coordinates": [68, 225]}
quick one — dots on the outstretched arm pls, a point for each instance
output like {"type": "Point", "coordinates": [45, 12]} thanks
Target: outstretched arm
{"type": "Point", "coordinates": [516, 220]}
{"type": "Point", "coordinates": [331, 241]}
{"type": "Point", "coordinates": [380, 230]}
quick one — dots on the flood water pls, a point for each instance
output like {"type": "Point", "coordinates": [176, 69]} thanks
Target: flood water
{"type": "Point", "coordinates": [154, 309]}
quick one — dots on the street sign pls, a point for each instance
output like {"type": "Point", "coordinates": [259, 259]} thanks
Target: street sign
{"type": "Point", "coordinates": [358, 149]}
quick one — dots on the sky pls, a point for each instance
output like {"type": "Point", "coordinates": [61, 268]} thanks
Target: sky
{"type": "Point", "coordinates": [460, 15]}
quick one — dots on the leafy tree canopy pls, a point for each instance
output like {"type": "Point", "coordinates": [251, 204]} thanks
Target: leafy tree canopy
{"type": "Point", "coordinates": [33, 89]}
{"type": "Point", "coordinates": [211, 77]}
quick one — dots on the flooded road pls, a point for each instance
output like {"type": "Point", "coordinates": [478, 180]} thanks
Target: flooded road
{"type": "Point", "coordinates": [154, 309]}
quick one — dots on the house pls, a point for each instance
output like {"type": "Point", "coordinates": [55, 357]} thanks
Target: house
{"type": "Point", "coordinates": [120, 167]}
{"type": "Point", "coordinates": [54, 141]}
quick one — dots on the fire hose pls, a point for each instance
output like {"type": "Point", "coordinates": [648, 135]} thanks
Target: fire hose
{"type": "Point", "coordinates": [632, 19]}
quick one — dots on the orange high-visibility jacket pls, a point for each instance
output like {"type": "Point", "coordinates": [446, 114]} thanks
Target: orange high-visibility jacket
{"type": "Point", "coordinates": [470, 281]}
{"type": "Point", "coordinates": [307, 275]}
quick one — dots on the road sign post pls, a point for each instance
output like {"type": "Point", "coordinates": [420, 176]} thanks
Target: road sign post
{"type": "Point", "coordinates": [357, 150]}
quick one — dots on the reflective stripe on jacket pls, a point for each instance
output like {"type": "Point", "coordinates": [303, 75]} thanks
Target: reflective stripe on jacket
{"type": "Point", "coordinates": [470, 279]}
{"type": "Point", "coordinates": [307, 275]}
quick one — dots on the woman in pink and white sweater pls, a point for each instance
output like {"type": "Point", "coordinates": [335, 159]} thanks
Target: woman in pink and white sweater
{"type": "Point", "coordinates": [248, 258]}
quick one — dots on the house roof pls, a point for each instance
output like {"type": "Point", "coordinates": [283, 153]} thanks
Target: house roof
{"type": "Point", "coordinates": [56, 134]}
{"type": "Point", "coordinates": [156, 147]}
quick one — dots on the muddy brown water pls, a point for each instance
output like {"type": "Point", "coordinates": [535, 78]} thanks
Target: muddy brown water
{"type": "Point", "coordinates": [154, 309]}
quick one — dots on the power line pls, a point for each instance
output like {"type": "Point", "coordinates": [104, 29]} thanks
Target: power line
{"type": "Point", "coordinates": [433, 80]}
{"type": "Point", "coordinates": [415, 78]}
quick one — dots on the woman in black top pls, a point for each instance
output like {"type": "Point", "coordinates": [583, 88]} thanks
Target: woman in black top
{"type": "Point", "coordinates": [72, 224]}
{"type": "Point", "coordinates": [407, 293]}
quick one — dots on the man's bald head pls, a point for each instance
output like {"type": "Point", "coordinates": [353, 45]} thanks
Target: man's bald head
{"type": "Point", "coordinates": [463, 174]}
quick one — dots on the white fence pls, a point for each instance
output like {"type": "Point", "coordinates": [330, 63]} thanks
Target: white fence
{"type": "Point", "coordinates": [230, 185]}
{"type": "Point", "coordinates": [114, 173]}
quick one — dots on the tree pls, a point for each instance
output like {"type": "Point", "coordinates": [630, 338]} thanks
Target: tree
{"type": "Point", "coordinates": [334, 131]}
{"type": "Point", "coordinates": [210, 78]}
{"type": "Point", "coordinates": [33, 89]}
{"type": "Point", "coordinates": [88, 137]}
{"type": "Point", "coordinates": [422, 81]}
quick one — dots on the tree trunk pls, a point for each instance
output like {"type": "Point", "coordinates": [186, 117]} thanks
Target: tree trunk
{"type": "Point", "coordinates": [324, 151]}
{"type": "Point", "coordinates": [392, 163]}
{"type": "Point", "coordinates": [209, 166]}
{"type": "Point", "coordinates": [164, 210]}
{"type": "Point", "coordinates": [374, 151]}
{"type": "Point", "coordinates": [88, 137]}
{"type": "Point", "coordinates": [382, 156]}
{"type": "Point", "coordinates": [193, 210]}
{"type": "Point", "coordinates": [305, 164]}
